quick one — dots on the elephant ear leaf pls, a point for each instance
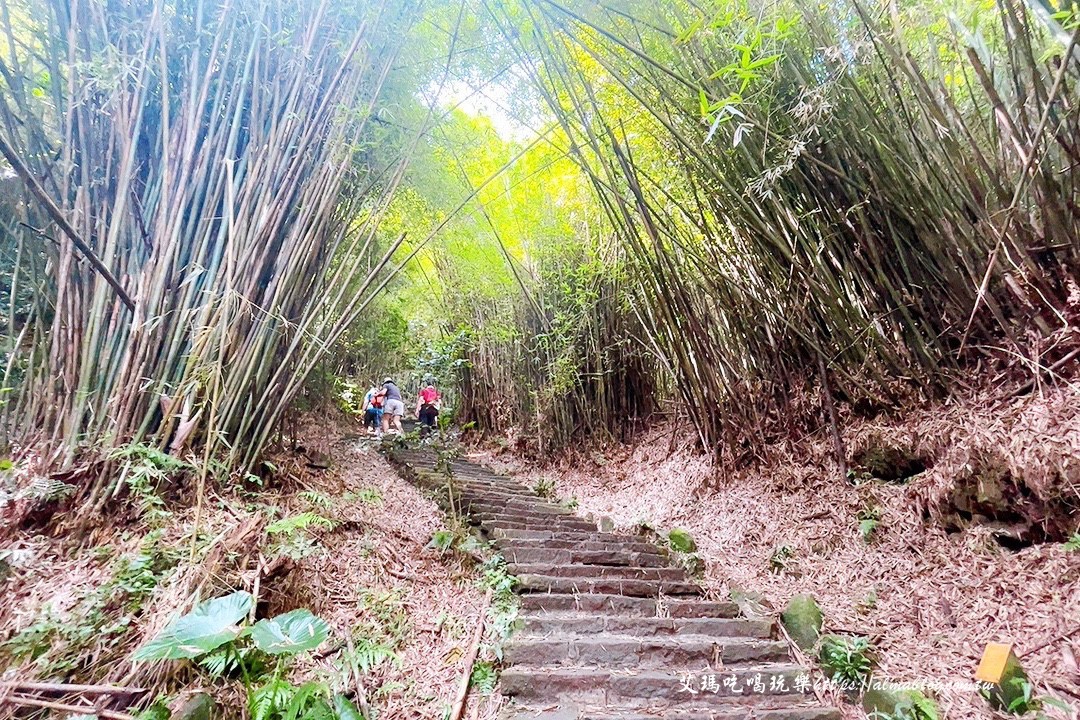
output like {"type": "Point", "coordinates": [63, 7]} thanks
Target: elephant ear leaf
{"type": "Point", "coordinates": [289, 634]}
{"type": "Point", "coordinates": [208, 626]}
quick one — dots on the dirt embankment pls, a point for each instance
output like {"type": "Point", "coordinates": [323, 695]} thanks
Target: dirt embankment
{"type": "Point", "coordinates": [76, 608]}
{"type": "Point", "coordinates": [964, 547]}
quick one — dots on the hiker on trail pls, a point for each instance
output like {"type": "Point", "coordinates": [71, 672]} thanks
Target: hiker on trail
{"type": "Point", "coordinates": [427, 407]}
{"type": "Point", "coordinates": [393, 406]}
{"type": "Point", "coordinates": [373, 410]}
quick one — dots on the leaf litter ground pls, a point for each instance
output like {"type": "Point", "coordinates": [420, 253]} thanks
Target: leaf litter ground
{"type": "Point", "coordinates": [930, 600]}
{"type": "Point", "coordinates": [372, 570]}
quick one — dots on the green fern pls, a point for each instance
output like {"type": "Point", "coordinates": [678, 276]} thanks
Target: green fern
{"type": "Point", "coordinates": [316, 499]}
{"type": "Point", "coordinates": [847, 660]}
{"type": "Point", "coordinates": [369, 496]}
{"type": "Point", "coordinates": [483, 678]}
{"type": "Point", "coordinates": [151, 457]}
{"type": "Point", "coordinates": [295, 523]}
{"type": "Point", "coordinates": [219, 663]}
{"type": "Point", "coordinates": [308, 702]}
{"type": "Point", "coordinates": [47, 489]}
{"type": "Point", "coordinates": [442, 540]}
{"type": "Point", "coordinates": [268, 701]}
{"type": "Point", "coordinates": [1073, 543]}
{"type": "Point", "coordinates": [145, 469]}
{"type": "Point", "coordinates": [369, 655]}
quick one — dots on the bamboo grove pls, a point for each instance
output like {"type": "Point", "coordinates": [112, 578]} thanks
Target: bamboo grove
{"type": "Point", "coordinates": [869, 199]}
{"type": "Point", "coordinates": [731, 211]}
{"type": "Point", "coordinates": [184, 248]}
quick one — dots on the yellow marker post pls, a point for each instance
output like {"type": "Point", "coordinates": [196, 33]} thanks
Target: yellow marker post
{"type": "Point", "coordinates": [992, 666]}
{"type": "Point", "coordinates": [1010, 689]}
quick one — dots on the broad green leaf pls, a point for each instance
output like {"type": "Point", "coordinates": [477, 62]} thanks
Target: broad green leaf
{"type": "Point", "coordinates": [208, 626]}
{"type": "Point", "coordinates": [291, 633]}
{"type": "Point", "coordinates": [344, 709]}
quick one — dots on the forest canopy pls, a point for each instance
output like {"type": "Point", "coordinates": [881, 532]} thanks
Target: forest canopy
{"type": "Point", "coordinates": [573, 215]}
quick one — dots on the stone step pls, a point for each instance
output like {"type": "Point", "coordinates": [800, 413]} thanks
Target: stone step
{"type": "Point", "coordinates": [566, 556]}
{"type": "Point", "coordinates": [598, 571]}
{"type": "Point", "coordinates": [749, 684]}
{"type": "Point", "coordinates": [497, 491]}
{"type": "Point", "coordinates": [503, 495]}
{"type": "Point", "coordinates": [629, 606]}
{"type": "Point", "coordinates": [600, 636]}
{"type": "Point", "coordinates": [482, 479]}
{"type": "Point", "coordinates": [624, 651]}
{"type": "Point", "coordinates": [499, 497]}
{"type": "Point", "coordinates": [541, 543]}
{"type": "Point", "coordinates": [498, 505]}
{"type": "Point", "coordinates": [540, 515]}
{"type": "Point", "coordinates": [612, 586]}
{"type": "Point", "coordinates": [495, 488]}
{"type": "Point", "coordinates": [577, 623]}
{"type": "Point", "coordinates": [468, 467]}
{"type": "Point", "coordinates": [793, 710]}
{"type": "Point", "coordinates": [554, 524]}
{"type": "Point", "coordinates": [573, 535]}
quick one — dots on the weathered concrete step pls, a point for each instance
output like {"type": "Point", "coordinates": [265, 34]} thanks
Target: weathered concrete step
{"type": "Point", "coordinates": [536, 514]}
{"type": "Point", "coordinates": [610, 586]}
{"type": "Point", "coordinates": [623, 651]}
{"type": "Point", "coordinates": [629, 606]}
{"type": "Point", "coordinates": [557, 556]}
{"type": "Point", "coordinates": [577, 623]}
{"type": "Point", "coordinates": [554, 524]}
{"type": "Point", "coordinates": [468, 468]}
{"type": "Point", "coordinates": [538, 517]}
{"type": "Point", "coordinates": [573, 535]}
{"type": "Point", "coordinates": [464, 496]}
{"type": "Point", "coordinates": [628, 687]}
{"type": "Point", "coordinates": [473, 475]}
{"type": "Point", "coordinates": [793, 711]}
{"type": "Point", "coordinates": [495, 488]}
{"type": "Point", "coordinates": [598, 571]}
{"type": "Point", "coordinates": [499, 505]}
{"type": "Point", "coordinates": [541, 543]}
{"type": "Point", "coordinates": [493, 495]}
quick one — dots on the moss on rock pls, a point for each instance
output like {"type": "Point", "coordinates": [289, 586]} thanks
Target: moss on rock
{"type": "Point", "coordinates": [880, 702]}
{"type": "Point", "coordinates": [681, 541]}
{"type": "Point", "coordinates": [802, 619]}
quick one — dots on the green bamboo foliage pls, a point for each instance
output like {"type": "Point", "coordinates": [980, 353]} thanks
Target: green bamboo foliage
{"type": "Point", "coordinates": [211, 156]}
{"type": "Point", "coordinates": [890, 198]}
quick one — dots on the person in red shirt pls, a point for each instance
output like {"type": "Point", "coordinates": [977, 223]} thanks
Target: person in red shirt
{"type": "Point", "coordinates": [427, 408]}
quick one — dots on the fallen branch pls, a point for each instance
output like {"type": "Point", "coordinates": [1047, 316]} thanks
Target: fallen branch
{"type": "Point", "coordinates": [1048, 643]}
{"type": "Point", "coordinates": [1048, 370]}
{"type": "Point", "coordinates": [470, 660]}
{"type": "Point", "coordinates": [69, 688]}
{"type": "Point", "coordinates": [64, 707]}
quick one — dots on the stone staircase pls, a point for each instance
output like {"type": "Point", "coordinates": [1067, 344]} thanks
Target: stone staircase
{"type": "Point", "coordinates": [608, 627]}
